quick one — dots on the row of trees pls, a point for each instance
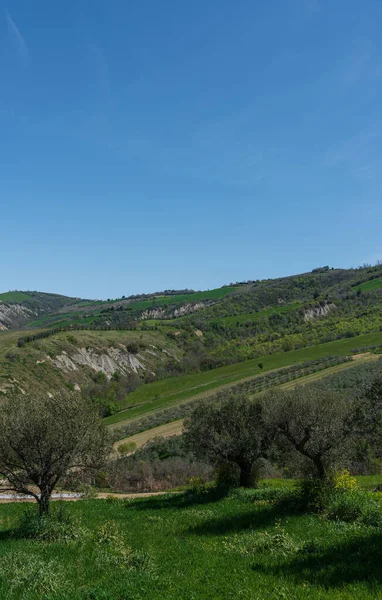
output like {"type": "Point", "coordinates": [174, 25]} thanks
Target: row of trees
{"type": "Point", "coordinates": [324, 428]}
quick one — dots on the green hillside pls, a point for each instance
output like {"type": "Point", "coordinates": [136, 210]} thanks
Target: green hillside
{"type": "Point", "coordinates": [221, 337]}
{"type": "Point", "coordinates": [169, 391]}
{"type": "Point", "coordinates": [70, 359]}
{"type": "Point", "coordinates": [368, 286]}
{"type": "Point", "coordinates": [18, 297]}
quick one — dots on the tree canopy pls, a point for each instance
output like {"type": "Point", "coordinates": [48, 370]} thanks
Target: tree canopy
{"type": "Point", "coordinates": [42, 438]}
{"type": "Point", "coordinates": [231, 429]}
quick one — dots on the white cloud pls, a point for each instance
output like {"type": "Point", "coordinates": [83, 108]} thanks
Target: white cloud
{"type": "Point", "coordinates": [17, 38]}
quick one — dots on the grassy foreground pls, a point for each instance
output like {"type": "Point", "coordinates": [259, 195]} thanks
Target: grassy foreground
{"type": "Point", "coordinates": [157, 395]}
{"type": "Point", "coordinates": [199, 547]}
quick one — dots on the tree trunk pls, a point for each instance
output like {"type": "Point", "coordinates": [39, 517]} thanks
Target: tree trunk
{"type": "Point", "coordinates": [44, 501]}
{"type": "Point", "coordinates": [321, 470]}
{"type": "Point", "coordinates": [248, 476]}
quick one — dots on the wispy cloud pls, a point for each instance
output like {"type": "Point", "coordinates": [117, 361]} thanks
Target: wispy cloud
{"type": "Point", "coordinates": [17, 38]}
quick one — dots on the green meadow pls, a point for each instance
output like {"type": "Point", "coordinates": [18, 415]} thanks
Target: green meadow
{"type": "Point", "coordinates": [14, 297]}
{"type": "Point", "coordinates": [248, 317]}
{"type": "Point", "coordinates": [200, 545]}
{"type": "Point", "coordinates": [369, 286]}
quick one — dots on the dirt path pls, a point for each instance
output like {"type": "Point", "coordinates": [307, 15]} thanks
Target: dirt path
{"type": "Point", "coordinates": [166, 430]}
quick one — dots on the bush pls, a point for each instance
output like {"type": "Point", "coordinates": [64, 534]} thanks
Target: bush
{"type": "Point", "coordinates": [343, 481]}
{"type": "Point", "coordinates": [58, 526]}
{"type": "Point", "coordinates": [112, 550]}
{"type": "Point", "coordinates": [127, 447]}
{"type": "Point", "coordinates": [197, 484]}
{"type": "Point", "coordinates": [130, 474]}
{"type": "Point", "coordinates": [279, 543]}
{"type": "Point", "coordinates": [132, 347]}
{"type": "Point", "coordinates": [355, 506]}
{"type": "Point", "coordinates": [338, 498]}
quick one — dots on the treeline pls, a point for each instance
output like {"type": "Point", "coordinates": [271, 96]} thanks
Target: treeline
{"type": "Point", "coordinates": [311, 430]}
{"type": "Point", "coordinates": [39, 335]}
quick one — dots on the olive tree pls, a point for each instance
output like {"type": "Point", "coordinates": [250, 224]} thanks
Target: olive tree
{"type": "Point", "coordinates": [42, 438]}
{"type": "Point", "coordinates": [229, 430]}
{"type": "Point", "coordinates": [315, 422]}
{"type": "Point", "coordinates": [367, 421]}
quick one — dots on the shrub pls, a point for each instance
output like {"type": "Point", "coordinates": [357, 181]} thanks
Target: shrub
{"type": "Point", "coordinates": [343, 481]}
{"type": "Point", "coordinates": [58, 526]}
{"type": "Point", "coordinates": [197, 484]}
{"type": "Point", "coordinates": [354, 506]}
{"type": "Point", "coordinates": [12, 357]}
{"type": "Point", "coordinates": [112, 550]}
{"type": "Point", "coordinates": [127, 447]}
{"type": "Point", "coordinates": [311, 494]}
{"type": "Point", "coordinates": [279, 543]}
{"type": "Point", "coordinates": [132, 347]}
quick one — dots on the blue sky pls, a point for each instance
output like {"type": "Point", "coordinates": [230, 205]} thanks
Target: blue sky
{"type": "Point", "coordinates": [147, 145]}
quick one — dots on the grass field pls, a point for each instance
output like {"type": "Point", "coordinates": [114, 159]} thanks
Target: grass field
{"type": "Point", "coordinates": [14, 297]}
{"type": "Point", "coordinates": [368, 286]}
{"type": "Point", "coordinates": [160, 394]}
{"type": "Point", "coordinates": [246, 317]}
{"type": "Point", "coordinates": [166, 430]}
{"type": "Point", "coordinates": [192, 547]}
{"type": "Point", "coordinates": [175, 427]}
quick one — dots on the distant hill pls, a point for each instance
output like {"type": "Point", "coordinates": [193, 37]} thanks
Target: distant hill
{"type": "Point", "coordinates": [18, 308]}
{"type": "Point", "coordinates": [49, 340]}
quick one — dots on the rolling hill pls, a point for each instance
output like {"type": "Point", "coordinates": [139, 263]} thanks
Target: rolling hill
{"type": "Point", "coordinates": [144, 352]}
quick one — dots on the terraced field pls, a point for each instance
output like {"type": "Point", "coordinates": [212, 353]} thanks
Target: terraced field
{"type": "Point", "coordinates": [175, 427]}
{"type": "Point", "coordinates": [160, 394]}
{"type": "Point", "coordinates": [247, 317]}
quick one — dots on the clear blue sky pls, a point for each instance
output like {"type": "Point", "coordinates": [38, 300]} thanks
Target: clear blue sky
{"type": "Point", "coordinates": [148, 145]}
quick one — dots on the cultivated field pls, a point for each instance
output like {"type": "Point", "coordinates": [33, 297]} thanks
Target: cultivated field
{"type": "Point", "coordinates": [368, 286]}
{"type": "Point", "coordinates": [160, 394]}
{"type": "Point", "coordinates": [175, 427]}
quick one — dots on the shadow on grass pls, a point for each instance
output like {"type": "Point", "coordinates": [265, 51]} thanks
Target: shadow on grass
{"type": "Point", "coordinates": [182, 500]}
{"type": "Point", "coordinates": [251, 517]}
{"type": "Point", "coordinates": [348, 562]}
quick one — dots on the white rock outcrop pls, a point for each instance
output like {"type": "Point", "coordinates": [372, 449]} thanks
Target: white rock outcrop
{"type": "Point", "coordinates": [318, 311]}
